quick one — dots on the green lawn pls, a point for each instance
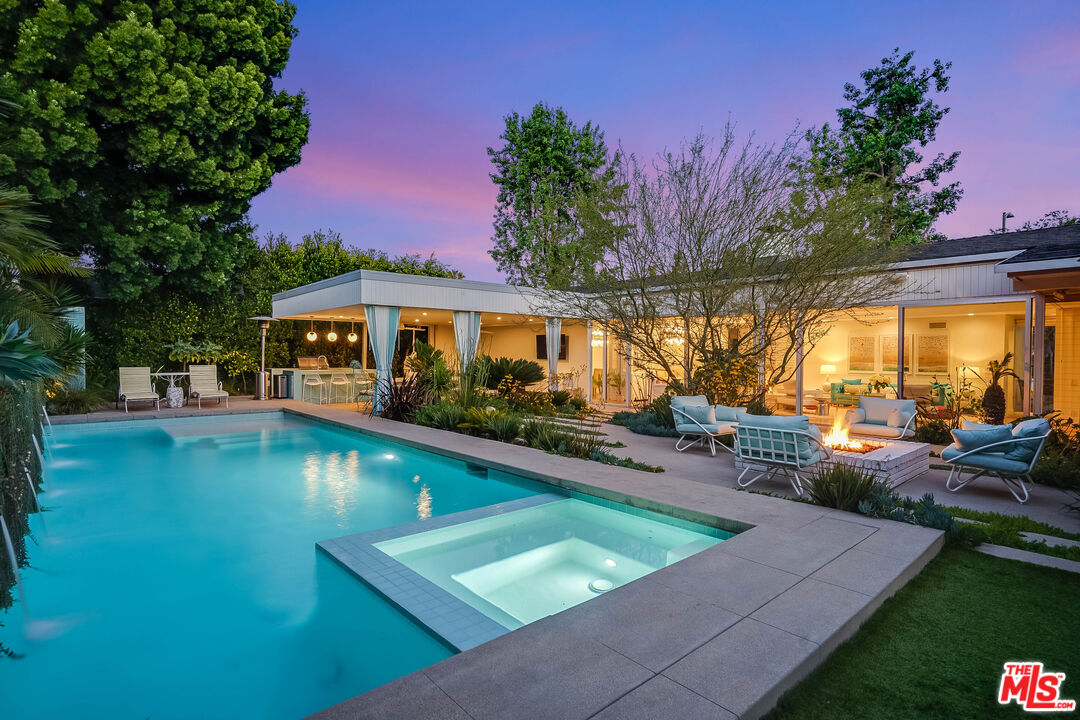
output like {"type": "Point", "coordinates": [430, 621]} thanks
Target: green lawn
{"type": "Point", "coordinates": [936, 649]}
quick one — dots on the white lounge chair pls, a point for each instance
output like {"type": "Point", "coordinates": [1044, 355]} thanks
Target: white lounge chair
{"type": "Point", "coordinates": [883, 418]}
{"type": "Point", "coordinates": [204, 384]}
{"type": "Point", "coordinates": [135, 385]}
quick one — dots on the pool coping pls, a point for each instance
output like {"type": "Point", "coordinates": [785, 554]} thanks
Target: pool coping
{"type": "Point", "coordinates": [721, 634]}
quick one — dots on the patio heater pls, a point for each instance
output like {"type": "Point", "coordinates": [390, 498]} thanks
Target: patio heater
{"type": "Point", "coordinates": [260, 380]}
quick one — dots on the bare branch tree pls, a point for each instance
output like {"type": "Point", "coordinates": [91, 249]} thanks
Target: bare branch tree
{"type": "Point", "coordinates": [729, 247]}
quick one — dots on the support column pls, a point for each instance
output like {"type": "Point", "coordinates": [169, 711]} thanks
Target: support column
{"type": "Point", "coordinates": [629, 389]}
{"type": "Point", "coordinates": [553, 332]}
{"type": "Point", "coordinates": [589, 363]}
{"type": "Point", "coordinates": [603, 371]}
{"type": "Point", "coordinates": [1027, 355]}
{"type": "Point", "coordinates": [901, 361]}
{"type": "Point", "coordinates": [466, 335]}
{"type": "Point", "coordinates": [364, 347]}
{"type": "Point", "coordinates": [1038, 353]}
{"type": "Point", "coordinates": [799, 372]}
{"type": "Point", "coordinates": [382, 323]}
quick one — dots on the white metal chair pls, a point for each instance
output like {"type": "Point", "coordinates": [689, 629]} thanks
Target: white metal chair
{"type": "Point", "coordinates": [313, 383]}
{"type": "Point", "coordinates": [339, 381]}
{"type": "Point", "coordinates": [779, 451]}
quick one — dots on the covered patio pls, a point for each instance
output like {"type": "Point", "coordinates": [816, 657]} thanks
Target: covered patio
{"type": "Point", "coordinates": [372, 319]}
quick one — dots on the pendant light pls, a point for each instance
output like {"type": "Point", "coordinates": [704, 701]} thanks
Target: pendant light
{"type": "Point", "coordinates": [331, 336]}
{"type": "Point", "coordinates": [312, 336]}
{"type": "Point", "coordinates": [352, 336]}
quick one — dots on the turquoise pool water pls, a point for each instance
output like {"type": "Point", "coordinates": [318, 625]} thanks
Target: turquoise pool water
{"type": "Point", "coordinates": [176, 574]}
{"type": "Point", "coordinates": [520, 566]}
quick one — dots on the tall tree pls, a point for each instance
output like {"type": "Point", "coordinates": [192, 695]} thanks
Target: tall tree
{"type": "Point", "coordinates": [144, 129]}
{"type": "Point", "coordinates": [879, 138]}
{"type": "Point", "coordinates": [546, 165]}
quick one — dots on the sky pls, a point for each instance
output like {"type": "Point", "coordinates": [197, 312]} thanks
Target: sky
{"type": "Point", "coordinates": [405, 99]}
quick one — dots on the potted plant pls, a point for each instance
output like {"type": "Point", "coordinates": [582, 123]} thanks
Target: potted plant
{"type": "Point", "coordinates": [993, 400]}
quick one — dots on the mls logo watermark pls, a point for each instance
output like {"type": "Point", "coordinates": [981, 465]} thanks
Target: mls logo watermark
{"type": "Point", "coordinates": [1032, 689]}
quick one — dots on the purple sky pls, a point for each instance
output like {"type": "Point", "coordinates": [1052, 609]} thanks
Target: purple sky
{"type": "Point", "coordinates": [405, 100]}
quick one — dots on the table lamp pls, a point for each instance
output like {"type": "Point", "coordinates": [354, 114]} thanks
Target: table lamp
{"type": "Point", "coordinates": [827, 370]}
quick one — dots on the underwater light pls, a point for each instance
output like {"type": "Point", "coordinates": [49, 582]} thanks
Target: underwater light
{"type": "Point", "coordinates": [609, 562]}
{"type": "Point", "coordinates": [600, 585]}
{"type": "Point", "coordinates": [389, 456]}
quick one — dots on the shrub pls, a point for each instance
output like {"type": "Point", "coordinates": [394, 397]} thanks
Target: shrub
{"type": "Point", "coordinates": [545, 436]}
{"type": "Point", "coordinates": [757, 406]}
{"type": "Point", "coordinates": [643, 423]}
{"type": "Point", "coordinates": [505, 427]}
{"type": "Point", "coordinates": [402, 398]}
{"type": "Point", "coordinates": [841, 486]}
{"type": "Point", "coordinates": [560, 397]}
{"type": "Point", "coordinates": [525, 372]}
{"type": "Point", "coordinates": [932, 430]}
{"type": "Point", "coordinates": [661, 410]}
{"type": "Point", "coordinates": [492, 422]}
{"type": "Point", "coordinates": [65, 401]}
{"type": "Point", "coordinates": [444, 415]}
{"type": "Point", "coordinates": [882, 502]}
{"type": "Point", "coordinates": [430, 366]}
{"type": "Point", "coordinates": [522, 400]}
{"type": "Point", "coordinates": [727, 378]}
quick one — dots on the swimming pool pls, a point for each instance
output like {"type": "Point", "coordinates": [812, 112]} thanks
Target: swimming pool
{"type": "Point", "coordinates": [176, 574]}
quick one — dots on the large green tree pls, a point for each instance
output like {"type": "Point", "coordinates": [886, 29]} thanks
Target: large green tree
{"type": "Point", "coordinates": [545, 167]}
{"type": "Point", "coordinates": [143, 130]}
{"type": "Point", "coordinates": [879, 140]}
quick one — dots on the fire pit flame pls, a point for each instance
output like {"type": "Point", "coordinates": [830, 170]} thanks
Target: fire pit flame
{"type": "Point", "coordinates": [838, 439]}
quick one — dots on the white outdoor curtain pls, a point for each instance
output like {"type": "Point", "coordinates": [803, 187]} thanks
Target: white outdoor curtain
{"type": "Point", "coordinates": [382, 325]}
{"type": "Point", "coordinates": [553, 326]}
{"type": "Point", "coordinates": [467, 334]}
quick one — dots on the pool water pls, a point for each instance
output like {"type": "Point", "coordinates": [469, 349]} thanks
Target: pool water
{"type": "Point", "coordinates": [175, 574]}
{"type": "Point", "coordinates": [523, 565]}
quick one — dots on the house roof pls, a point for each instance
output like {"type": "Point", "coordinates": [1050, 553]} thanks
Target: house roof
{"type": "Point", "coordinates": [1029, 245]}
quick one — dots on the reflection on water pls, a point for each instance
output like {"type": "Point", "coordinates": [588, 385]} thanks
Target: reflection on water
{"type": "Point", "coordinates": [334, 484]}
{"type": "Point", "coordinates": [423, 503]}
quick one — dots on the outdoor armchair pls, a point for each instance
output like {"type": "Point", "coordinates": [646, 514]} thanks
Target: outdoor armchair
{"type": "Point", "coordinates": [1008, 453]}
{"type": "Point", "coordinates": [698, 422]}
{"type": "Point", "coordinates": [882, 418]}
{"type": "Point", "coordinates": [772, 444]}
{"type": "Point", "coordinates": [135, 385]}
{"type": "Point", "coordinates": [204, 384]}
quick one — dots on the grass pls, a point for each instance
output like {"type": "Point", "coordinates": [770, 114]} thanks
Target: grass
{"type": "Point", "coordinates": [935, 650]}
{"type": "Point", "coordinates": [1004, 530]}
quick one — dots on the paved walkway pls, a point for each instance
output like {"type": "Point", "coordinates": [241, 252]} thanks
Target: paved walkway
{"type": "Point", "coordinates": [1047, 504]}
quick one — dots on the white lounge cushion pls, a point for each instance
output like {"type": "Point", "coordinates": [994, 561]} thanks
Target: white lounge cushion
{"type": "Point", "coordinates": [875, 430]}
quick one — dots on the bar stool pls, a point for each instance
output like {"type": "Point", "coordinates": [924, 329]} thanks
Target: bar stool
{"type": "Point", "coordinates": [339, 381]}
{"type": "Point", "coordinates": [314, 382]}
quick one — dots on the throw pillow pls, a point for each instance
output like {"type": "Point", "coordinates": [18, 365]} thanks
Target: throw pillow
{"type": "Point", "coordinates": [704, 414]}
{"type": "Point", "coordinates": [898, 418]}
{"type": "Point", "coordinates": [967, 440]}
{"type": "Point", "coordinates": [853, 389]}
{"type": "Point", "coordinates": [1024, 451]}
{"type": "Point", "coordinates": [852, 382]}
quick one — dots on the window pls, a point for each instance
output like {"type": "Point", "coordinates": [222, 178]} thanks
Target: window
{"type": "Point", "coordinates": [541, 347]}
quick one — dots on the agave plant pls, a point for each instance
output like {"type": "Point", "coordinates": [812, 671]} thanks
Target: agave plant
{"type": "Point", "coordinates": [993, 401]}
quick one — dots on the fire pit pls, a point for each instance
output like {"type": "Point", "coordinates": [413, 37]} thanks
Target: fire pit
{"type": "Point", "coordinates": [894, 461]}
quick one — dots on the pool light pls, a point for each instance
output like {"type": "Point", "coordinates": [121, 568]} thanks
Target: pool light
{"type": "Point", "coordinates": [601, 585]}
{"type": "Point", "coordinates": [389, 456]}
{"type": "Point", "coordinates": [609, 562]}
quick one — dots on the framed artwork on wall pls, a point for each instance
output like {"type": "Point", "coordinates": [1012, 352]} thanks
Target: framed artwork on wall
{"type": "Point", "coordinates": [861, 351]}
{"type": "Point", "coordinates": [933, 354]}
{"type": "Point", "coordinates": [889, 356]}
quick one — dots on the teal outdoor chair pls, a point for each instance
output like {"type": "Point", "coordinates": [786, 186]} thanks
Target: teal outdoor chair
{"type": "Point", "coordinates": [1008, 453]}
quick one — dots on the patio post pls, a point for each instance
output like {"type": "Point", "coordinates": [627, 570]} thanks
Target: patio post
{"type": "Point", "coordinates": [1038, 357]}
{"type": "Point", "coordinates": [629, 375]}
{"type": "Point", "coordinates": [553, 330]}
{"type": "Point", "coordinates": [589, 362]}
{"type": "Point", "coordinates": [466, 335]}
{"type": "Point", "coordinates": [798, 371]}
{"type": "Point", "coordinates": [901, 361]}
{"type": "Point", "coordinates": [1028, 312]}
{"type": "Point", "coordinates": [382, 323]}
{"type": "Point", "coordinates": [603, 372]}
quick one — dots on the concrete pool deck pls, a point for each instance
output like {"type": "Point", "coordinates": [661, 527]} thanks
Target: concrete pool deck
{"type": "Point", "coordinates": [721, 634]}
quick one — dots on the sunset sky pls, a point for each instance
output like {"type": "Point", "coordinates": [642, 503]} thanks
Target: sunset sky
{"type": "Point", "coordinates": [405, 99]}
